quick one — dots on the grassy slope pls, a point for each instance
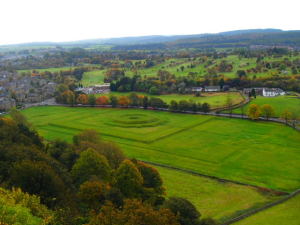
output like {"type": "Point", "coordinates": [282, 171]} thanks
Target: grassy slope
{"type": "Point", "coordinates": [93, 77]}
{"type": "Point", "coordinates": [173, 65]}
{"type": "Point", "coordinates": [285, 213]}
{"type": "Point", "coordinates": [279, 103]}
{"type": "Point", "coordinates": [214, 99]}
{"type": "Point", "coordinates": [260, 153]}
{"type": "Point", "coordinates": [55, 69]}
{"type": "Point", "coordinates": [212, 198]}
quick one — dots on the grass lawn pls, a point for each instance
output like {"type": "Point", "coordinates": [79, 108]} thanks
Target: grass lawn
{"type": "Point", "coordinates": [279, 103]}
{"type": "Point", "coordinates": [215, 100]}
{"type": "Point", "coordinates": [212, 198]}
{"type": "Point", "coordinates": [93, 77]}
{"type": "Point", "coordinates": [174, 65]}
{"type": "Point", "coordinates": [285, 213]}
{"type": "Point", "coordinates": [260, 153]}
{"type": "Point", "coordinates": [52, 70]}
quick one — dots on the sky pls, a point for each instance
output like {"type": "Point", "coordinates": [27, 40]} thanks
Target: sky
{"type": "Point", "coordinates": [23, 21]}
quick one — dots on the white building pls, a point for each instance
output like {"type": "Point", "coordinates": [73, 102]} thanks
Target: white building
{"type": "Point", "coordinates": [272, 92]}
{"type": "Point", "coordinates": [96, 89]}
{"type": "Point", "coordinates": [212, 88]}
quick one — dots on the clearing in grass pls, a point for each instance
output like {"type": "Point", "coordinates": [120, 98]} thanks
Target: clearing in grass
{"type": "Point", "coordinates": [93, 77]}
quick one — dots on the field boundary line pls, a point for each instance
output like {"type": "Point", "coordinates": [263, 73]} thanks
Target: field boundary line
{"type": "Point", "coordinates": [215, 178]}
{"type": "Point", "coordinates": [258, 210]}
{"type": "Point", "coordinates": [248, 213]}
{"type": "Point", "coordinates": [181, 130]}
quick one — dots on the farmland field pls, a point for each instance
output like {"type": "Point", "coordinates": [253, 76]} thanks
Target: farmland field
{"type": "Point", "coordinates": [174, 65]}
{"type": "Point", "coordinates": [217, 99]}
{"type": "Point", "coordinates": [212, 198]}
{"type": "Point", "coordinates": [93, 77]}
{"type": "Point", "coordinates": [285, 213]}
{"type": "Point", "coordinates": [259, 153]}
{"type": "Point", "coordinates": [279, 103]}
{"type": "Point", "coordinates": [54, 69]}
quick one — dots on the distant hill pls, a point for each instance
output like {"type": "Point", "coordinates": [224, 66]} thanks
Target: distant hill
{"type": "Point", "coordinates": [237, 38]}
{"type": "Point", "coordinates": [241, 38]}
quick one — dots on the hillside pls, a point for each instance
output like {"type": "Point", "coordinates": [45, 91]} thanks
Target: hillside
{"type": "Point", "coordinates": [237, 38]}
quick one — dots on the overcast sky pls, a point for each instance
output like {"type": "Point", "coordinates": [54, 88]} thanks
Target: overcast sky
{"type": "Point", "coordinates": [66, 20]}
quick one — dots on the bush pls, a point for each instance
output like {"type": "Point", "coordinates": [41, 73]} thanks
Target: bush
{"type": "Point", "coordinates": [187, 212]}
{"type": "Point", "coordinates": [90, 165]}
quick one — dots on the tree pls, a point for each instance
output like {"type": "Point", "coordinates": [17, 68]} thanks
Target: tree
{"type": "Point", "coordinates": [253, 93]}
{"type": "Point", "coordinates": [157, 103]}
{"type": "Point", "coordinates": [86, 136]}
{"type": "Point", "coordinates": [254, 112]}
{"type": "Point", "coordinates": [16, 207]}
{"type": "Point", "coordinates": [243, 110]}
{"type": "Point", "coordinates": [111, 151]}
{"type": "Point", "coordinates": [40, 179]}
{"type": "Point", "coordinates": [82, 99]}
{"type": "Point", "coordinates": [134, 99]}
{"type": "Point", "coordinates": [145, 102]}
{"type": "Point", "coordinates": [267, 111]}
{"type": "Point", "coordinates": [134, 212]}
{"type": "Point", "coordinates": [294, 119]}
{"type": "Point", "coordinates": [153, 91]}
{"type": "Point", "coordinates": [92, 194]}
{"type": "Point", "coordinates": [173, 105]}
{"type": "Point", "coordinates": [113, 101]}
{"type": "Point", "coordinates": [92, 100]}
{"type": "Point", "coordinates": [241, 73]}
{"type": "Point", "coordinates": [129, 179]}
{"type": "Point", "coordinates": [187, 212]}
{"type": "Point", "coordinates": [123, 101]}
{"type": "Point", "coordinates": [151, 178]}
{"type": "Point", "coordinates": [18, 117]}
{"type": "Point", "coordinates": [221, 83]}
{"type": "Point", "coordinates": [63, 152]}
{"type": "Point", "coordinates": [205, 107]}
{"type": "Point", "coordinates": [90, 165]}
{"type": "Point", "coordinates": [114, 73]}
{"type": "Point", "coordinates": [102, 100]}
{"type": "Point", "coordinates": [68, 97]}
{"type": "Point", "coordinates": [229, 104]}
{"type": "Point", "coordinates": [286, 116]}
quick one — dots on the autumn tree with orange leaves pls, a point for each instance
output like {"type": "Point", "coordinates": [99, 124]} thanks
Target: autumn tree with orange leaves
{"type": "Point", "coordinates": [82, 99]}
{"type": "Point", "coordinates": [102, 100]}
{"type": "Point", "coordinates": [123, 101]}
{"type": "Point", "coordinates": [134, 212]}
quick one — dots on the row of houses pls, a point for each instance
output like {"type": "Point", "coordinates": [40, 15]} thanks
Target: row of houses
{"type": "Point", "coordinates": [16, 89]}
{"type": "Point", "coordinates": [210, 89]}
{"type": "Point", "coordinates": [96, 89]}
{"type": "Point", "coordinates": [263, 91]}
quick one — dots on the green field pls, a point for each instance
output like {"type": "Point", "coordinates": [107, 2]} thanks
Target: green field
{"type": "Point", "coordinates": [212, 198]}
{"type": "Point", "coordinates": [239, 63]}
{"type": "Point", "coordinates": [52, 70]}
{"type": "Point", "coordinates": [215, 100]}
{"type": "Point", "coordinates": [279, 103]}
{"type": "Point", "coordinates": [93, 77]}
{"type": "Point", "coordinates": [260, 153]}
{"type": "Point", "coordinates": [285, 213]}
